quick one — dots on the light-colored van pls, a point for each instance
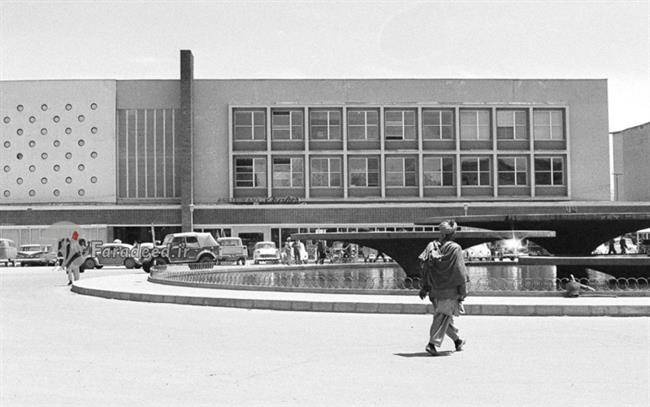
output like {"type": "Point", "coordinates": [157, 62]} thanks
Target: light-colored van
{"type": "Point", "coordinates": [8, 252]}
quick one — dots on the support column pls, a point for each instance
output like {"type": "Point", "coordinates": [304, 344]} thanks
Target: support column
{"type": "Point", "coordinates": [185, 169]}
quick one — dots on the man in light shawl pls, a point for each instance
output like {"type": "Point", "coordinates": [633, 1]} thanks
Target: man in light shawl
{"type": "Point", "coordinates": [444, 279]}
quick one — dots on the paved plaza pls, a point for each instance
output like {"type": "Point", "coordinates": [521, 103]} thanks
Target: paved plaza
{"type": "Point", "coordinates": [61, 348]}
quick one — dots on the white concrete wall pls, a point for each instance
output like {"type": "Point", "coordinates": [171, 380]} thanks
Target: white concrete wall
{"type": "Point", "coordinates": [56, 122]}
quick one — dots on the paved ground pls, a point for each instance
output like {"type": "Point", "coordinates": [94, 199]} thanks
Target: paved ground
{"type": "Point", "coordinates": [60, 348]}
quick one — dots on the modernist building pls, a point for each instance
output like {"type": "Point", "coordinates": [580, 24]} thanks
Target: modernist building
{"type": "Point", "coordinates": [631, 175]}
{"type": "Point", "coordinates": [264, 158]}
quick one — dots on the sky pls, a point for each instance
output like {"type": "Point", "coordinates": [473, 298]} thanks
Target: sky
{"type": "Point", "coordinates": [337, 39]}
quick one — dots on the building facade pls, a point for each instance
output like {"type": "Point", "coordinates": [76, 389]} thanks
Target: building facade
{"type": "Point", "coordinates": [631, 176]}
{"type": "Point", "coordinates": [265, 158]}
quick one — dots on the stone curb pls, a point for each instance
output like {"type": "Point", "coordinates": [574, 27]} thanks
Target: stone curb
{"type": "Point", "coordinates": [374, 308]}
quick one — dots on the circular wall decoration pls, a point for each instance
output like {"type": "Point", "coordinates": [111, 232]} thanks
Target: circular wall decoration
{"type": "Point", "coordinates": [44, 107]}
{"type": "Point", "coordinates": [32, 119]}
{"type": "Point", "coordinates": [68, 155]}
{"type": "Point", "coordinates": [56, 119]}
{"type": "Point", "coordinates": [44, 156]}
{"type": "Point", "coordinates": [93, 130]}
{"type": "Point", "coordinates": [68, 180]}
{"type": "Point", "coordinates": [32, 143]}
{"type": "Point", "coordinates": [32, 168]}
{"type": "Point", "coordinates": [81, 167]}
{"type": "Point", "coordinates": [20, 108]}
{"type": "Point", "coordinates": [43, 180]}
{"type": "Point", "coordinates": [19, 156]}
{"type": "Point", "coordinates": [32, 192]}
{"type": "Point", "coordinates": [56, 143]}
{"type": "Point", "coordinates": [43, 131]}
{"type": "Point", "coordinates": [81, 192]}
{"type": "Point", "coordinates": [68, 107]}
{"type": "Point", "coordinates": [81, 118]}
{"type": "Point", "coordinates": [56, 192]}
{"type": "Point", "coordinates": [7, 144]}
{"type": "Point", "coordinates": [93, 154]}
{"type": "Point", "coordinates": [68, 130]}
{"type": "Point", "coordinates": [81, 142]}
{"type": "Point", "coordinates": [93, 180]}
{"type": "Point", "coordinates": [7, 168]}
{"type": "Point", "coordinates": [19, 181]}
{"type": "Point", "coordinates": [19, 132]}
{"type": "Point", "coordinates": [7, 119]}
{"type": "Point", "coordinates": [7, 194]}
{"type": "Point", "coordinates": [93, 106]}
{"type": "Point", "coordinates": [56, 167]}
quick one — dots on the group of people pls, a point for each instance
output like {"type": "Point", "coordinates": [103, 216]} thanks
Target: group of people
{"type": "Point", "coordinates": [294, 252]}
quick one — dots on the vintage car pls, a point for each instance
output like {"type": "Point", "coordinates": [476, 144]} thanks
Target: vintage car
{"type": "Point", "coordinates": [232, 249]}
{"type": "Point", "coordinates": [266, 252]}
{"type": "Point", "coordinates": [188, 247]}
{"type": "Point", "coordinates": [117, 254]}
{"type": "Point", "coordinates": [36, 255]}
{"type": "Point", "coordinates": [8, 252]}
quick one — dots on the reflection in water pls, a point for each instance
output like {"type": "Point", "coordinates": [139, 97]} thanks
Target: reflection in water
{"type": "Point", "coordinates": [499, 277]}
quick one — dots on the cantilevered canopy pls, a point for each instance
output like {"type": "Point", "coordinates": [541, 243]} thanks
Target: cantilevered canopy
{"type": "Point", "coordinates": [404, 247]}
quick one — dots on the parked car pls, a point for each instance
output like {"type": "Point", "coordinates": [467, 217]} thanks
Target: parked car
{"type": "Point", "coordinates": [188, 247]}
{"type": "Point", "coordinates": [8, 252]}
{"type": "Point", "coordinates": [232, 249]}
{"type": "Point", "coordinates": [266, 252]}
{"type": "Point", "coordinates": [36, 255]}
{"type": "Point", "coordinates": [117, 254]}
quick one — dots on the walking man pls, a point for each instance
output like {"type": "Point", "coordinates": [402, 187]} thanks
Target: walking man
{"type": "Point", "coordinates": [444, 279]}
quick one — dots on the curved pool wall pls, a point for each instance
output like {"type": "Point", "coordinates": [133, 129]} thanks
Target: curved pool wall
{"type": "Point", "coordinates": [489, 278]}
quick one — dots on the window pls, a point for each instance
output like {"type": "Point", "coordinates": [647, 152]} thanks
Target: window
{"type": "Point", "coordinates": [192, 241]}
{"type": "Point", "coordinates": [363, 124]}
{"type": "Point", "coordinates": [475, 125]}
{"type": "Point", "coordinates": [286, 124]}
{"type": "Point", "coordinates": [512, 125]}
{"type": "Point", "coordinates": [250, 172]}
{"type": "Point", "coordinates": [437, 124]}
{"type": "Point", "coordinates": [513, 171]}
{"type": "Point", "coordinates": [364, 171]}
{"type": "Point", "coordinates": [401, 172]}
{"type": "Point", "coordinates": [287, 172]}
{"type": "Point", "coordinates": [325, 124]}
{"type": "Point", "coordinates": [400, 124]}
{"type": "Point", "coordinates": [438, 171]}
{"type": "Point", "coordinates": [325, 172]}
{"type": "Point", "coordinates": [249, 125]}
{"type": "Point", "coordinates": [475, 171]}
{"type": "Point", "coordinates": [548, 124]}
{"type": "Point", "coordinates": [549, 171]}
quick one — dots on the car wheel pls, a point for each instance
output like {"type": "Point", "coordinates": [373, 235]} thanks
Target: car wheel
{"type": "Point", "coordinates": [89, 264]}
{"type": "Point", "coordinates": [129, 263]}
{"type": "Point", "coordinates": [206, 259]}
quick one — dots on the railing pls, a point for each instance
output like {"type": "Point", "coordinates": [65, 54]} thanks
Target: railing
{"type": "Point", "coordinates": [393, 281]}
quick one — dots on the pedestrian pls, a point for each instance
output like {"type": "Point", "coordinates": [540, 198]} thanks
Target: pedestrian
{"type": "Point", "coordinates": [444, 279]}
{"type": "Point", "coordinates": [623, 245]}
{"type": "Point", "coordinates": [287, 251]}
{"type": "Point", "coordinates": [321, 252]}
{"type": "Point", "coordinates": [612, 249]}
{"type": "Point", "coordinates": [296, 252]}
{"type": "Point", "coordinates": [72, 257]}
{"type": "Point", "coordinates": [304, 256]}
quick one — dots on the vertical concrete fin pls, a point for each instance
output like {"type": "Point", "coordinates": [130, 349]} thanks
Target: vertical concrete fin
{"type": "Point", "coordinates": [185, 167]}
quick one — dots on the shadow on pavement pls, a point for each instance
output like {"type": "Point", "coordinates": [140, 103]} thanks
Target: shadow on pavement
{"type": "Point", "coordinates": [423, 354]}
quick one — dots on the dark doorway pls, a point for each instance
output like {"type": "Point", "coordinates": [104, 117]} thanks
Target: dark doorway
{"type": "Point", "coordinates": [249, 240]}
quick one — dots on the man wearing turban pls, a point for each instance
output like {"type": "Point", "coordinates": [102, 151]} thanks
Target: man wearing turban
{"type": "Point", "coordinates": [444, 279]}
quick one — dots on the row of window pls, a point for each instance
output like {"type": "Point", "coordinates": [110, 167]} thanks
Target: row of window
{"type": "Point", "coordinates": [438, 171]}
{"type": "Point", "coordinates": [398, 124]}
